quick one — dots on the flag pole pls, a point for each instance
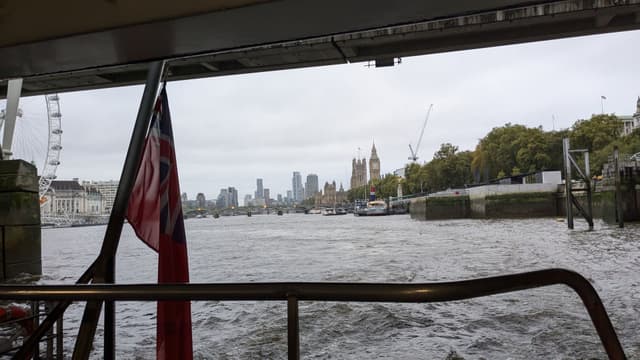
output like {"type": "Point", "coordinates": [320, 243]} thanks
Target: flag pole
{"type": "Point", "coordinates": [105, 271]}
{"type": "Point", "coordinates": [129, 172]}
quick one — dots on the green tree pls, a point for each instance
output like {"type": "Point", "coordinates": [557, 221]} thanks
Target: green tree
{"type": "Point", "coordinates": [514, 146]}
{"type": "Point", "coordinates": [596, 133]}
{"type": "Point", "coordinates": [448, 169]}
{"type": "Point", "coordinates": [415, 178]}
{"type": "Point", "coordinates": [553, 139]}
{"type": "Point", "coordinates": [361, 192]}
{"type": "Point", "coordinates": [627, 145]}
{"type": "Point", "coordinates": [385, 187]}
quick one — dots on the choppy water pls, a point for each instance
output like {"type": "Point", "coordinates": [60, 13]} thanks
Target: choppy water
{"type": "Point", "coordinates": [548, 323]}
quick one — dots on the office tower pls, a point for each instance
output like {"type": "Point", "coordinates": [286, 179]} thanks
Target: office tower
{"type": "Point", "coordinates": [311, 186]}
{"type": "Point", "coordinates": [233, 197]}
{"type": "Point", "coordinates": [259, 189]}
{"type": "Point", "coordinates": [201, 202]}
{"type": "Point", "coordinates": [298, 190]}
{"type": "Point", "coordinates": [267, 197]}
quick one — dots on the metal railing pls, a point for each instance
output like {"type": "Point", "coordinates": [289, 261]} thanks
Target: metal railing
{"type": "Point", "coordinates": [294, 292]}
{"type": "Point", "coordinates": [53, 341]}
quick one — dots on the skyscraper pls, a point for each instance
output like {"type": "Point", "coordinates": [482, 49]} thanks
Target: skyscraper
{"type": "Point", "coordinates": [233, 197]}
{"type": "Point", "coordinates": [298, 190]}
{"type": "Point", "coordinates": [222, 201]}
{"type": "Point", "coordinates": [374, 164]}
{"type": "Point", "coordinates": [311, 186]}
{"type": "Point", "coordinates": [260, 189]}
{"type": "Point", "coordinates": [201, 201]}
{"type": "Point", "coordinates": [267, 197]}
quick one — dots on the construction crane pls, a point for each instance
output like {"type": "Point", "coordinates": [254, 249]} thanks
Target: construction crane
{"type": "Point", "coordinates": [414, 154]}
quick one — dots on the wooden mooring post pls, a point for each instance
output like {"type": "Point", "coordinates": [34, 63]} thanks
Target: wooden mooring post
{"type": "Point", "coordinates": [571, 201]}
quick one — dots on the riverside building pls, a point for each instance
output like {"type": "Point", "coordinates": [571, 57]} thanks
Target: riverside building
{"type": "Point", "coordinates": [107, 190]}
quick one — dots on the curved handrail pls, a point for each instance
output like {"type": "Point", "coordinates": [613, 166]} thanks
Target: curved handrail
{"type": "Point", "coordinates": [361, 292]}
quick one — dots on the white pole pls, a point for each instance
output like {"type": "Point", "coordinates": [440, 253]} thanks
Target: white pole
{"type": "Point", "coordinates": [14, 89]}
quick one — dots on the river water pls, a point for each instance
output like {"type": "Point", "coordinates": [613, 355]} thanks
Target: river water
{"type": "Point", "coordinates": [548, 323]}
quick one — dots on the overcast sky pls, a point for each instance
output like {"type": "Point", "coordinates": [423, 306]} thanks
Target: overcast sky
{"type": "Point", "coordinates": [231, 130]}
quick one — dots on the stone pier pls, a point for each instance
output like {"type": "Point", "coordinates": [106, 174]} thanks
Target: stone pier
{"type": "Point", "coordinates": [19, 220]}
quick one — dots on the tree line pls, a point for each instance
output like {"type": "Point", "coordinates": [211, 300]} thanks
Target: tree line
{"type": "Point", "coordinates": [509, 150]}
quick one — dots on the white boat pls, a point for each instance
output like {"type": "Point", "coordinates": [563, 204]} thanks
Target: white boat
{"type": "Point", "coordinates": [329, 212]}
{"type": "Point", "coordinates": [374, 208]}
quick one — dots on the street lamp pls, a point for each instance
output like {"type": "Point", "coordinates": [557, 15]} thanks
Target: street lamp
{"type": "Point", "coordinates": [602, 99]}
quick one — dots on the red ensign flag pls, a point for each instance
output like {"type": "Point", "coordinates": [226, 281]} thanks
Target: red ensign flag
{"type": "Point", "coordinates": [155, 213]}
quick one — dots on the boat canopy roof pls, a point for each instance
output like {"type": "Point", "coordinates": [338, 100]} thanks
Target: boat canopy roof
{"type": "Point", "coordinates": [377, 203]}
{"type": "Point", "coordinates": [83, 44]}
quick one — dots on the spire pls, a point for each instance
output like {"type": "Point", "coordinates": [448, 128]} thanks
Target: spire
{"type": "Point", "coordinates": [638, 106]}
{"type": "Point", "coordinates": [374, 152]}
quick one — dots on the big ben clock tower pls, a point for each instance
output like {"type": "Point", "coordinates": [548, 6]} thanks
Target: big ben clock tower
{"type": "Point", "coordinates": [374, 164]}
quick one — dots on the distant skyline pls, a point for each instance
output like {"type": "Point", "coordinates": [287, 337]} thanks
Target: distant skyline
{"type": "Point", "coordinates": [231, 130]}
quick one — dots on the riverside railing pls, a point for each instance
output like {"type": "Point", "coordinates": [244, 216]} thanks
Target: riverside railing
{"type": "Point", "coordinates": [293, 292]}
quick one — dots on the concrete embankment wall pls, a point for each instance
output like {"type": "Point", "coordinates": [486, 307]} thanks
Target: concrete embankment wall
{"type": "Point", "coordinates": [513, 201]}
{"type": "Point", "coordinates": [490, 201]}
{"type": "Point", "coordinates": [523, 201]}
{"type": "Point", "coordinates": [435, 208]}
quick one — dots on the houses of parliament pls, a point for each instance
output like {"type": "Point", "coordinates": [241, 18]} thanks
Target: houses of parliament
{"type": "Point", "coordinates": [331, 195]}
{"type": "Point", "coordinates": [359, 169]}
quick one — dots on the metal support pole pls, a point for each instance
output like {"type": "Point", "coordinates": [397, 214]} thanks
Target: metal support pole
{"type": "Point", "coordinates": [567, 181]}
{"type": "Point", "coordinates": [618, 196]}
{"type": "Point", "coordinates": [587, 182]}
{"type": "Point", "coordinates": [121, 201]}
{"type": "Point", "coordinates": [88, 327]}
{"type": "Point", "coordinates": [105, 270]}
{"type": "Point", "coordinates": [14, 88]}
{"type": "Point", "coordinates": [35, 310]}
{"type": "Point", "coordinates": [293, 331]}
{"type": "Point", "coordinates": [60, 339]}
{"type": "Point", "coordinates": [49, 343]}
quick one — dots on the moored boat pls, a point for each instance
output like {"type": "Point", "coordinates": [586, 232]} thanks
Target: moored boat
{"type": "Point", "coordinates": [329, 212]}
{"type": "Point", "coordinates": [373, 208]}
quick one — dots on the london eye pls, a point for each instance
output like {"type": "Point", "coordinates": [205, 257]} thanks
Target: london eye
{"type": "Point", "coordinates": [37, 137]}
